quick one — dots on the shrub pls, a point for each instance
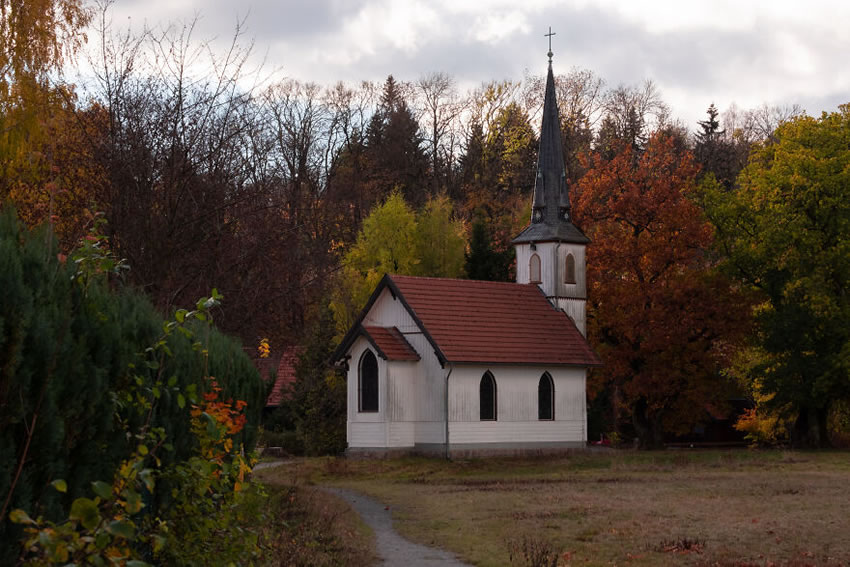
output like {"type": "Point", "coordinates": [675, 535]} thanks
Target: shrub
{"type": "Point", "coordinates": [78, 356]}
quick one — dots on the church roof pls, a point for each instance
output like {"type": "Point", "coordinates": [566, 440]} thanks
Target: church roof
{"type": "Point", "coordinates": [390, 343]}
{"type": "Point", "coordinates": [469, 321]}
{"type": "Point", "coordinates": [550, 218]}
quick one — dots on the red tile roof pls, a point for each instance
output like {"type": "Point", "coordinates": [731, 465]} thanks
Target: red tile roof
{"type": "Point", "coordinates": [493, 322]}
{"type": "Point", "coordinates": [391, 343]}
{"type": "Point", "coordinates": [285, 380]}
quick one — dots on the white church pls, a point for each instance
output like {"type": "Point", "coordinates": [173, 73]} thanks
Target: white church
{"type": "Point", "coordinates": [460, 367]}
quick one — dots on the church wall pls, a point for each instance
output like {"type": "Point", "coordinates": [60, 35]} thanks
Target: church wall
{"type": "Point", "coordinates": [413, 408]}
{"type": "Point", "coordinates": [552, 265]}
{"type": "Point", "coordinates": [389, 312]}
{"type": "Point", "coordinates": [575, 308]}
{"type": "Point", "coordinates": [517, 410]}
{"type": "Point", "coordinates": [365, 429]}
{"type": "Point", "coordinates": [427, 393]}
{"type": "Point", "coordinates": [578, 289]}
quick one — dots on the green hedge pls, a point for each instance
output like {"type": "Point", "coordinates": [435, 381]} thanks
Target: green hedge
{"type": "Point", "coordinates": [64, 353]}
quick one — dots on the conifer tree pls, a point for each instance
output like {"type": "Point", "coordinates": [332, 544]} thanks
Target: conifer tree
{"type": "Point", "coordinates": [319, 398]}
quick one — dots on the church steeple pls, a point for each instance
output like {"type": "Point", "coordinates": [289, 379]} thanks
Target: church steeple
{"type": "Point", "coordinates": [550, 217]}
{"type": "Point", "coordinates": [550, 252]}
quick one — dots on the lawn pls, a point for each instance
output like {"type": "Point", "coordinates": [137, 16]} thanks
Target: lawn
{"type": "Point", "coordinates": [619, 507]}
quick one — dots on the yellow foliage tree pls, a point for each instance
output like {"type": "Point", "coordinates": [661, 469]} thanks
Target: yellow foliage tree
{"type": "Point", "coordinates": [394, 240]}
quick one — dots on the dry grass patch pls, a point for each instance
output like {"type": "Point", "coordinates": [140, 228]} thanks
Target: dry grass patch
{"type": "Point", "coordinates": [304, 526]}
{"type": "Point", "coordinates": [665, 508]}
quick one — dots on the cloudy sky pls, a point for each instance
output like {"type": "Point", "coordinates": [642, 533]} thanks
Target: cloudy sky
{"type": "Point", "coordinates": [697, 51]}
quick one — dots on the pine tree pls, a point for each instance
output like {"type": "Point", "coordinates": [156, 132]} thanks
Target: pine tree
{"type": "Point", "coordinates": [319, 398]}
{"type": "Point", "coordinates": [482, 262]}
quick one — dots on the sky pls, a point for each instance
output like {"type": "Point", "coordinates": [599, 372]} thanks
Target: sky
{"type": "Point", "coordinates": [697, 52]}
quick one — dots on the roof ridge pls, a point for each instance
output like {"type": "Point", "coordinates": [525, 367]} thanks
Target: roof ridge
{"type": "Point", "coordinates": [460, 280]}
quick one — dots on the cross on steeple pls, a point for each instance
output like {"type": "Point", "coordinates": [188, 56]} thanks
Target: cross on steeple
{"type": "Point", "coordinates": [549, 35]}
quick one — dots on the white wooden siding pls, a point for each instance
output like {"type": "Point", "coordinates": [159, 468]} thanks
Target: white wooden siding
{"type": "Point", "coordinates": [411, 400]}
{"type": "Point", "coordinates": [483, 432]}
{"type": "Point", "coordinates": [389, 312]}
{"type": "Point", "coordinates": [516, 392]}
{"type": "Point", "coordinates": [553, 257]}
{"type": "Point", "coordinates": [367, 434]}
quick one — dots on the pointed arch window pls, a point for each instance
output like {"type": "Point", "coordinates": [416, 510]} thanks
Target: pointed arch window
{"type": "Point", "coordinates": [570, 269]}
{"type": "Point", "coordinates": [367, 383]}
{"type": "Point", "coordinates": [546, 397]}
{"type": "Point", "coordinates": [487, 397]}
{"type": "Point", "coordinates": [534, 269]}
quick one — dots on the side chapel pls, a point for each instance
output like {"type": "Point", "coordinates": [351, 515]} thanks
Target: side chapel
{"type": "Point", "coordinates": [451, 366]}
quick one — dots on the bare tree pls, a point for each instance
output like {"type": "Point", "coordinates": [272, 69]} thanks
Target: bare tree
{"type": "Point", "coordinates": [442, 110]}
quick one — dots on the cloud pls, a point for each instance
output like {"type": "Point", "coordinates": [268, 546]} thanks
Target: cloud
{"type": "Point", "coordinates": [698, 52]}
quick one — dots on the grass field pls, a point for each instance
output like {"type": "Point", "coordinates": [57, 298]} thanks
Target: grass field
{"type": "Point", "coordinates": [626, 508]}
{"type": "Point", "coordinates": [301, 525]}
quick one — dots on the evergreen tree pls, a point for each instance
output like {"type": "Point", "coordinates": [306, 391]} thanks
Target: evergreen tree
{"type": "Point", "coordinates": [482, 262]}
{"type": "Point", "coordinates": [318, 402]}
{"type": "Point", "coordinates": [65, 356]}
{"type": "Point", "coordinates": [394, 148]}
{"type": "Point", "coordinates": [714, 151]}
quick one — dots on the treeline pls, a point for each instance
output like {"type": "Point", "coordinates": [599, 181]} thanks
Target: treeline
{"type": "Point", "coordinates": [258, 190]}
{"type": "Point", "coordinates": [211, 176]}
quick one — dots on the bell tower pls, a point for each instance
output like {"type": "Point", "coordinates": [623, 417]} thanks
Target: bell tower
{"type": "Point", "coordinates": [550, 251]}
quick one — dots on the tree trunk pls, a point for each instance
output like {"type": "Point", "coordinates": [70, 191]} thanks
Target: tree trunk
{"type": "Point", "coordinates": [648, 428]}
{"type": "Point", "coordinates": [809, 430]}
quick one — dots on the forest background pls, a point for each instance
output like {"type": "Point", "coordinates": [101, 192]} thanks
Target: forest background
{"type": "Point", "coordinates": [719, 260]}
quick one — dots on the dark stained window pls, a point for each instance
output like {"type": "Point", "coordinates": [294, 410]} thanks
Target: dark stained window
{"type": "Point", "coordinates": [487, 395]}
{"type": "Point", "coordinates": [570, 269]}
{"type": "Point", "coordinates": [534, 269]}
{"type": "Point", "coordinates": [546, 397]}
{"type": "Point", "coordinates": [367, 384]}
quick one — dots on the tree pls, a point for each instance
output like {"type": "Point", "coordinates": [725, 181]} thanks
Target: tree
{"type": "Point", "coordinates": [715, 151]}
{"type": "Point", "coordinates": [394, 147]}
{"type": "Point", "coordinates": [394, 240]}
{"type": "Point", "coordinates": [660, 318]}
{"type": "Point", "coordinates": [482, 262]}
{"type": "Point", "coordinates": [319, 394]}
{"type": "Point", "coordinates": [386, 244]}
{"type": "Point", "coordinates": [439, 241]}
{"type": "Point", "coordinates": [442, 110]}
{"type": "Point", "coordinates": [73, 377]}
{"type": "Point", "coordinates": [36, 38]}
{"type": "Point", "coordinates": [785, 233]}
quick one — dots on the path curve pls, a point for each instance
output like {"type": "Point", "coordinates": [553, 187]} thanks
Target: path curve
{"type": "Point", "coordinates": [392, 548]}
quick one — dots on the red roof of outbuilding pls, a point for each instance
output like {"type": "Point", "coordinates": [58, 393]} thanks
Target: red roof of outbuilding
{"type": "Point", "coordinates": [391, 343]}
{"type": "Point", "coordinates": [285, 379]}
{"type": "Point", "coordinates": [494, 322]}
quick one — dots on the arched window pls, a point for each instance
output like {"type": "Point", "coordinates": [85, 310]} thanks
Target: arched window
{"type": "Point", "coordinates": [487, 395]}
{"type": "Point", "coordinates": [534, 269]}
{"type": "Point", "coordinates": [546, 397]}
{"type": "Point", "coordinates": [570, 269]}
{"type": "Point", "coordinates": [367, 383]}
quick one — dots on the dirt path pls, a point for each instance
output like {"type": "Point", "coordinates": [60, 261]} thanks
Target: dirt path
{"type": "Point", "coordinates": [392, 548]}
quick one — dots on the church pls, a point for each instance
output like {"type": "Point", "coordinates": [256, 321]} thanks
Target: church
{"type": "Point", "coordinates": [463, 367]}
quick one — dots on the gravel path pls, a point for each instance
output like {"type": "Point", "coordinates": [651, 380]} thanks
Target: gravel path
{"type": "Point", "coordinates": [392, 548]}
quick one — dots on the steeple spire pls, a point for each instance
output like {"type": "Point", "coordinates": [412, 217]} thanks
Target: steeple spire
{"type": "Point", "coordinates": [550, 218]}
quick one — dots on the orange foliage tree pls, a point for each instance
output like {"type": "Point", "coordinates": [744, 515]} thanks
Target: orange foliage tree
{"type": "Point", "coordinates": [661, 318]}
